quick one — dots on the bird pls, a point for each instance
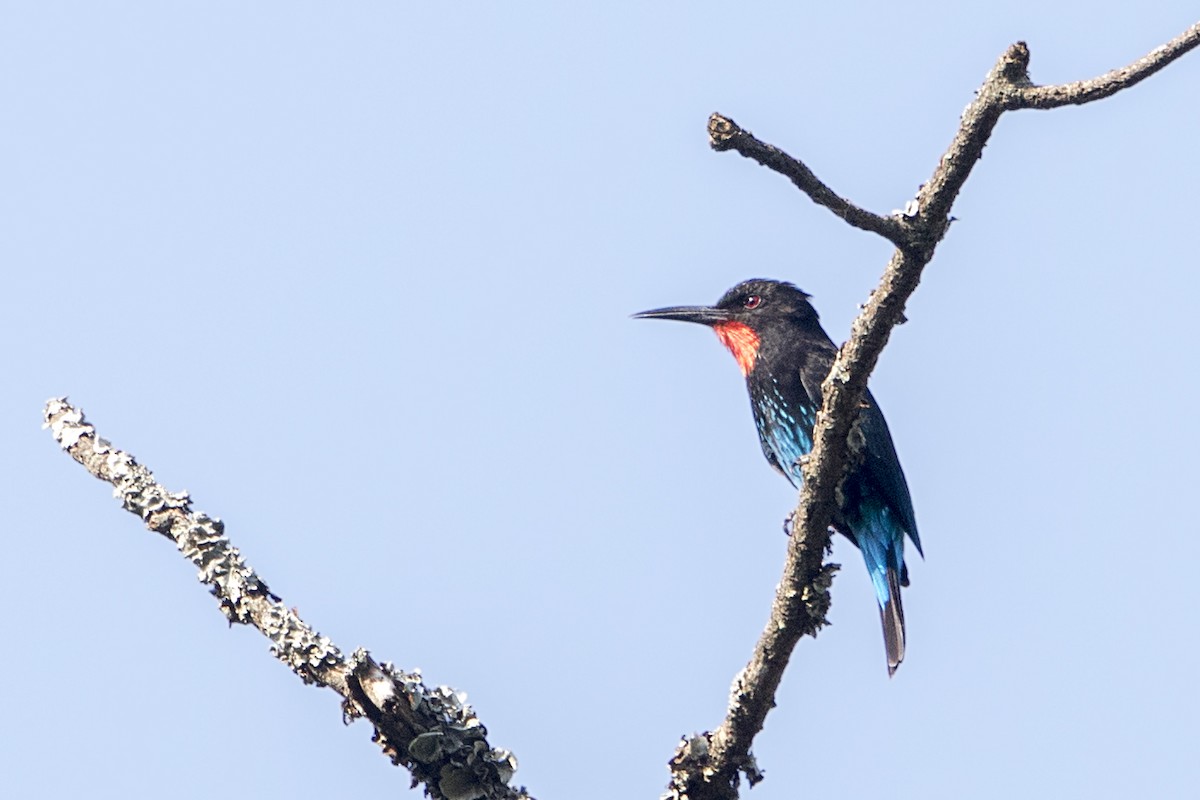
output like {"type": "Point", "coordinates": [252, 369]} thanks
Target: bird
{"type": "Point", "coordinates": [775, 335]}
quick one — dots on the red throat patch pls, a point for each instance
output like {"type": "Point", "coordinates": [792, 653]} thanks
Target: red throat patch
{"type": "Point", "coordinates": [741, 340]}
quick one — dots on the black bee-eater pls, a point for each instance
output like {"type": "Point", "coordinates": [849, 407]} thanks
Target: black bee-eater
{"type": "Point", "coordinates": [784, 353]}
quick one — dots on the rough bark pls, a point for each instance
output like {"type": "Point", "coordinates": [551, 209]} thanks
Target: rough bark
{"type": "Point", "coordinates": [430, 731]}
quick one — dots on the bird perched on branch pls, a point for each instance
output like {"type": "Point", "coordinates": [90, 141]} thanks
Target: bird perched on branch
{"type": "Point", "coordinates": [784, 353]}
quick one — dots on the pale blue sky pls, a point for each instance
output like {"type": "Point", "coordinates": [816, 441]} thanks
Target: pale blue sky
{"type": "Point", "coordinates": [359, 278]}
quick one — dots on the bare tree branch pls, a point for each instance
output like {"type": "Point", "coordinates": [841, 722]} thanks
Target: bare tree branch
{"type": "Point", "coordinates": [725, 134]}
{"type": "Point", "coordinates": [432, 732]}
{"type": "Point", "coordinates": [1110, 83]}
{"type": "Point", "coordinates": [709, 765]}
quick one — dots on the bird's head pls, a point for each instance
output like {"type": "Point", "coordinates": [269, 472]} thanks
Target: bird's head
{"type": "Point", "coordinates": [749, 314]}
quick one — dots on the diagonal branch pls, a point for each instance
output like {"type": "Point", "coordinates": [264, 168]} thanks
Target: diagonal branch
{"type": "Point", "coordinates": [709, 765]}
{"type": "Point", "coordinates": [725, 134]}
{"type": "Point", "coordinates": [432, 732]}
{"type": "Point", "coordinates": [1110, 83]}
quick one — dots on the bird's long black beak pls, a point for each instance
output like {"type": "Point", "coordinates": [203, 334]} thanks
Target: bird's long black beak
{"type": "Point", "coordinates": [704, 315]}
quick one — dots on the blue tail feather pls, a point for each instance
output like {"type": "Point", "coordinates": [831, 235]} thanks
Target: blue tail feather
{"type": "Point", "coordinates": [882, 543]}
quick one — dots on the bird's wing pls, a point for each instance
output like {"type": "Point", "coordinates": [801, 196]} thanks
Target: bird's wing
{"type": "Point", "coordinates": [881, 463]}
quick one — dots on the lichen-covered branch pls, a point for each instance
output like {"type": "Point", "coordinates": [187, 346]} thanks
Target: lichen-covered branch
{"type": "Point", "coordinates": [430, 731]}
{"type": "Point", "coordinates": [710, 765]}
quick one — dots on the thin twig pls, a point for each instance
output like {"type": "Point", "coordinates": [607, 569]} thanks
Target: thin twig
{"type": "Point", "coordinates": [432, 732]}
{"type": "Point", "coordinates": [725, 134]}
{"type": "Point", "coordinates": [710, 765]}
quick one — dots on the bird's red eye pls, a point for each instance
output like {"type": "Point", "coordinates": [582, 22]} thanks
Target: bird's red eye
{"type": "Point", "coordinates": [753, 301]}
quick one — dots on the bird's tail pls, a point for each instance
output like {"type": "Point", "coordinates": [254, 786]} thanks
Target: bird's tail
{"type": "Point", "coordinates": [884, 554]}
{"type": "Point", "coordinates": [891, 613]}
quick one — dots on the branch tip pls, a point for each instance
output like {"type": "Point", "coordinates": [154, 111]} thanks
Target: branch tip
{"type": "Point", "coordinates": [1014, 64]}
{"type": "Point", "coordinates": [721, 131]}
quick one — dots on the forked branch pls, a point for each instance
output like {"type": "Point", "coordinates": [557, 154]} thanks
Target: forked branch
{"type": "Point", "coordinates": [710, 765]}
